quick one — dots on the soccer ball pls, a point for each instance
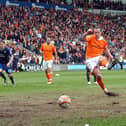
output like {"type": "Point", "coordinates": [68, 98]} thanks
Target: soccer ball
{"type": "Point", "coordinates": [64, 101]}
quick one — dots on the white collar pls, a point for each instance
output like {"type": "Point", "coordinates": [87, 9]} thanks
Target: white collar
{"type": "Point", "coordinates": [100, 38]}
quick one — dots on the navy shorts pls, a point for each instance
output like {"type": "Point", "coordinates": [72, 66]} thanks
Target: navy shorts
{"type": "Point", "coordinates": [4, 67]}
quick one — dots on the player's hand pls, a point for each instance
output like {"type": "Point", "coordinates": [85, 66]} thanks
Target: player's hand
{"type": "Point", "coordinates": [8, 64]}
{"type": "Point", "coordinates": [89, 31]}
{"type": "Point", "coordinates": [56, 61]}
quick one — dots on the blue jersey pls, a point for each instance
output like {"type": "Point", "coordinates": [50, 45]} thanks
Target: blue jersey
{"type": "Point", "coordinates": [5, 55]}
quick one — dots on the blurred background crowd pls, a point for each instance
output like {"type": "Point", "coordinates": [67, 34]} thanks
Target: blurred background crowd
{"type": "Point", "coordinates": [27, 29]}
{"type": "Point", "coordinates": [96, 4]}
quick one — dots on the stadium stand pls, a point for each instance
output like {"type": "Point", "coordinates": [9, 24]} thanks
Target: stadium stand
{"type": "Point", "coordinates": [28, 27]}
{"type": "Point", "coordinates": [97, 4]}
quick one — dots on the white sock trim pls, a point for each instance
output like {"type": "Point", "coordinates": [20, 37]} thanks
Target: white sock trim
{"type": "Point", "coordinates": [106, 90]}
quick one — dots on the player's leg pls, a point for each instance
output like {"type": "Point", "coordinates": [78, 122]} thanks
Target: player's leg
{"type": "Point", "coordinates": [112, 64]}
{"type": "Point", "coordinates": [9, 72]}
{"type": "Point", "coordinates": [103, 61]}
{"type": "Point", "coordinates": [99, 79]}
{"type": "Point", "coordinates": [2, 74]}
{"type": "Point", "coordinates": [121, 65]}
{"type": "Point", "coordinates": [11, 78]}
{"type": "Point", "coordinates": [49, 70]}
{"type": "Point", "coordinates": [95, 81]}
{"type": "Point", "coordinates": [93, 65]}
{"type": "Point", "coordinates": [97, 73]}
{"type": "Point", "coordinates": [45, 69]}
{"type": "Point", "coordinates": [50, 74]}
{"type": "Point", "coordinates": [88, 75]}
{"type": "Point", "coordinates": [46, 73]}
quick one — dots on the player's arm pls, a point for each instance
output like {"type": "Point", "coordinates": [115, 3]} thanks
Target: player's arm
{"type": "Point", "coordinates": [108, 53]}
{"type": "Point", "coordinates": [84, 36]}
{"type": "Point", "coordinates": [41, 49]}
{"type": "Point", "coordinates": [10, 61]}
{"type": "Point", "coordinates": [56, 57]}
{"type": "Point", "coordinates": [55, 53]}
{"type": "Point", "coordinates": [9, 52]}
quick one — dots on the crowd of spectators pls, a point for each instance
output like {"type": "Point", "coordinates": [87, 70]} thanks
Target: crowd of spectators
{"type": "Point", "coordinates": [109, 5]}
{"type": "Point", "coordinates": [90, 4]}
{"type": "Point", "coordinates": [29, 26]}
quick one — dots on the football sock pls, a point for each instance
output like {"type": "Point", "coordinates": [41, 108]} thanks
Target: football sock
{"type": "Point", "coordinates": [12, 79]}
{"type": "Point", "coordinates": [3, 76]}
{"type": "Point", "coordinates": [100, 82]}
{"type": "Point", "coordinates": [88, 76]}
{"type": "Point", "coordinates": [50, 76]}
{"type": "Point", "coordinates": [94, 78]}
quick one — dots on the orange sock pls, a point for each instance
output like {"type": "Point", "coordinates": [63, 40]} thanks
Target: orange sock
{"type": "Point", "coordinates": [50, 77]}
{"type": "Point", "coordinates": [100, 82]}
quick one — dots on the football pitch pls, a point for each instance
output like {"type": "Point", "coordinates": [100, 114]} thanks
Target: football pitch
{"type": "Point", "coordinates": [32, 102]}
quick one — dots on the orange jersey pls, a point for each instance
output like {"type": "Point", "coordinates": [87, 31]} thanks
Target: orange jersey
{"type": "Point", "coordinates": [95, 47]}
{"type": "Point", "coordinates": [48, 51]}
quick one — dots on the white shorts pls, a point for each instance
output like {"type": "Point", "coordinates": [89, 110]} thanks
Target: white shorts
{"type": "Point", "coordinates": [47, 64]}
{"type": "Point", "coordinates": [93, 62]}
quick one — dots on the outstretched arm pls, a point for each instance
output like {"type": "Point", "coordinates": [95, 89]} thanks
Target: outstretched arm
{"type": "Point", "coordinates": [108, 53]}
{"type": "Point", "coordinates": [10, 61]}
{"type": "Point", "coordinates": [54, 50]}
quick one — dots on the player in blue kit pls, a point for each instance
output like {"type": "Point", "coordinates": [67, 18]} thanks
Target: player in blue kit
{"type": "Point", "coordinates": [6, 59]}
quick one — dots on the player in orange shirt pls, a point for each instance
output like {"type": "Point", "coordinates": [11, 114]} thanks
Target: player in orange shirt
{"type": "Point", "coordinates": [48, 49]}
{"type": "Point", "coordinates": [96, 44]}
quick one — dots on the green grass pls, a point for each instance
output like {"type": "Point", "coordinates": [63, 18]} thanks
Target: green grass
{"type": "Point", "coordinates": [92, 122]}
{"type": "Point", "coordinates": [72, 83]}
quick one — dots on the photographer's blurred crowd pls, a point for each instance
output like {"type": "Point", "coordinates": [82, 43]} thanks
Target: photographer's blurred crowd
{"type": "Point", "coordinates": [27, 28]}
